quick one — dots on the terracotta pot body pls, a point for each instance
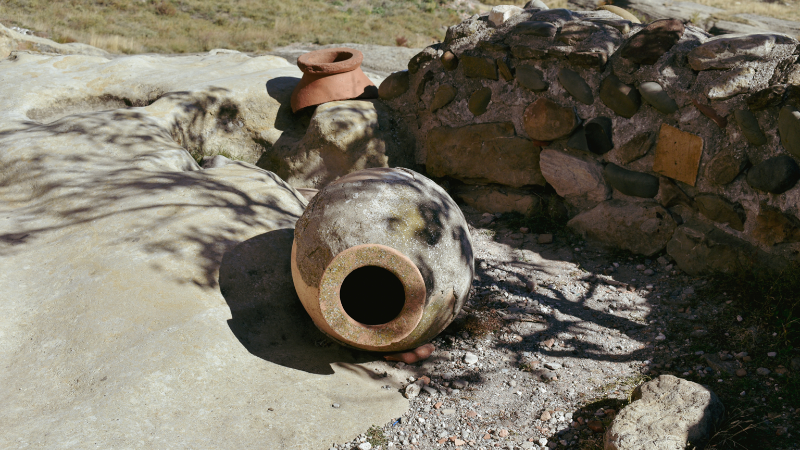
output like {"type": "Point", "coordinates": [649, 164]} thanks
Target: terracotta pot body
{"type": "Point", "coordinates": [382, 259]}
{"type": "Point", "coordinates": [331, 74]}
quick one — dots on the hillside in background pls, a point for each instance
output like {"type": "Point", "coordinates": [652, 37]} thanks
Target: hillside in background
{"type": "Point", "coordinates": [180, 26]}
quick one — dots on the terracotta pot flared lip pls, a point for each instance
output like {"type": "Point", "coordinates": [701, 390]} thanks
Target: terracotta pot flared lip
{"type": "Point", "coordinates": [330, 61]}
{"type": "Point", "coordinates": [372, 336]}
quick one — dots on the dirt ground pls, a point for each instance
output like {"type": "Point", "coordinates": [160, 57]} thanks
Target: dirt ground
{"type": "Point", "coordinates": [563, 331]}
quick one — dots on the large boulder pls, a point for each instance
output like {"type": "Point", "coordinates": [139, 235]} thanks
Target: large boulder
{"type": "Point", "coordinates": [148, 302]}
{"type": "Point", "coordinates": [667, 413]}
{"type": "Point", "coordinates": [642, 228]}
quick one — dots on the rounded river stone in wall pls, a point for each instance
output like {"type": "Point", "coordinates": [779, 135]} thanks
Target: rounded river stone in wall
{"type": "Point", "coordinates": [635, 184]}
{"type": "Point", "coordinates": [789, 128]}
{"type": "Point", "coordinates": [576, 86]}
{"type": "Point", "coordinates": [449, 61]}
{"type": "Point", "coordinates": [394, 85]}
{"type": "Point", "coordinates": [479, 101]}
{"type": "Point", "coordinates": [776, 175]}
{"type": "Point", "coordinates": [531, 78]}
{"type": "Point", "coordinates": [620, 97]}
{"type": "Point", "coordinates": [443, 96]}
{"type": "Point", "coordinates": [599, 133]}
{"type": "Point", "coordinates": [546, 120]}
{"type": "Point", "coordinates": [749, 125]}
{"type": "Point", "coordinates": [655, 95]}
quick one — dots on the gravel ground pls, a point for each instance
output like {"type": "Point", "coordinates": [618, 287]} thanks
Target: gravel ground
{"type": "Point", "coordinates": [554, 337]}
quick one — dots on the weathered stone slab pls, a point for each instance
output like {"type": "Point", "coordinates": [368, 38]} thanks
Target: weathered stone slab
{"type": "Point", "coordinates": [546, 120]}
{"type": "Point", "coordinates": [479, 67]}
{"type": "Point", "coordinates": [720, 210]}
{"type": "Point", "coordinates": [160, 290]}
{"type": "Point", "coordinates": [735, 82]}
{"type": "Point", "coordinates": [575, 32]}
{"type": "Point", "coordinates": [725, 166]}
{"type": "Point", "coordinates": [727, 52]}
{"type": "Point", "coordinates": [501, 13]}
{"type": "Point", "coordinates": [771, 96]}
{"type": "Point", "coordinates": [535, 28]}
{"type": "Point", "coordinates": [698, 248]}
{"type": "Point", "coordinates": [574, 175]}
{"type": "Point", "coordinates": [641, 228]}
{"type": "Point", "coordinates": [593, 60]}
{"type": "Point", "coordinates": [462, 153]}
{"type": "Point", "coordinates": [498, 199]}
{"type": "Point", "coordinates": [678, 154]}
{"type": "Point", "coordinates": [773, 227]}
{"type": "Point", "coordinates": [635, 148]}
{"type": "Point", "coordinates": [667, 413]}
{"type": "Point", "coordinates": [647, 46]}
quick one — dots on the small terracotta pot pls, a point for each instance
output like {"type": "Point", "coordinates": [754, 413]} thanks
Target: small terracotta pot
{"type": "Point", "coordinates": [382, 260]}
{"type": "Point", "coordinates": [331, 74]}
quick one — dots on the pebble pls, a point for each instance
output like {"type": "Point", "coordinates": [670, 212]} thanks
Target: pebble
{"type": "Point", "coordinates": [448, 411]}
{"type": "Point", "coordinates": [772, 354]}
{"type": "Point", "coordinates": [460, 384]}
{"type": "Point", "coordinates": [412, 390]}
{"type": "Point", "coordinates": [470, 358]}
{"type": "Point", "coordinates": [545, 238]}
{"type": "Point", "coordinates": [553, 366]}
{"type": "Point", "coordinates": [741, 372]}
{"type": "Point", "coordinates": [763, 371]}
{"type": "Point", "coordinates": [364, 446]}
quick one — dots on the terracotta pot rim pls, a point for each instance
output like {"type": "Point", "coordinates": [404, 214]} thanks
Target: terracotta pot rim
{"type": "Point", "coordinates": [323, 62]}
{"type": "Point", "coordinates": [372, 336]}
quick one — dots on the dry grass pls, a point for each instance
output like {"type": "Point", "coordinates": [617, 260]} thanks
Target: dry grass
{"type": "Point", "coordinates": [779, 10]}
{"type": "Point", "coordinates": [179, 26]}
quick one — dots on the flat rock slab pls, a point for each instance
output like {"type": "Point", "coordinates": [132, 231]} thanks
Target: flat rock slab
{"type": "Point", "coordinates": [148, 302]}
{"type": "Point", "coordinates": [678, 154]}
{"type": "Point", "coordinates": [667, 414]}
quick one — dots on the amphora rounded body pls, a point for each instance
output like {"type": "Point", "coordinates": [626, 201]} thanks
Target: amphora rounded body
{"type": "Point", "coordinates": [382, 259]}
{"type": "Point", "coordinates": [331, 74]}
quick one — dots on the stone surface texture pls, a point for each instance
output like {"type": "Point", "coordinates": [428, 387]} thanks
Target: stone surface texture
{"type": "Point", "coordinates": [716, 108]}
{"type": "Point", "coordinates": [667, 413]}
{"type": "Point", "coordinates": [462, 153]}
{"type": "Point", "coordinates": [148, 302]}
{"type": "Point", "coordinates": [641, 228]}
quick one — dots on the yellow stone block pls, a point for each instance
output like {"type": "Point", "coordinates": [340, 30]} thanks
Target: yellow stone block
{"type": "Point", "coordinates": [678, 154]}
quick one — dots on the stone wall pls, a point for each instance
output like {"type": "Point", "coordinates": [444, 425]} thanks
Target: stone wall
{"type": "Point", "coordinates": [656, 136]}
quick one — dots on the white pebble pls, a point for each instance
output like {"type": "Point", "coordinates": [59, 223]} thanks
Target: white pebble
{"type": "Point", "coordinates": [470, 358]}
